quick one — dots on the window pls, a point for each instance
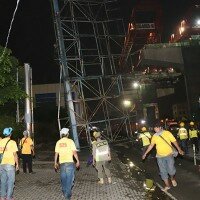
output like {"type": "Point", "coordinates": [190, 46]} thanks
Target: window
{"type": "Point", "coordinates": [45, 99]}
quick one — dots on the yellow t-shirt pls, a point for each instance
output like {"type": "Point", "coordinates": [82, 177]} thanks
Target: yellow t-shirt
{"type": "Point", "coordinates": [162, 148]}
{"type": "Point", "coordinates": [65, 147]}
{"type": "Point", "coordinates": [11, 148]}
{"type": "Point", "coordinates": [25, 144]}
{"type": "Point", "coordinates": [146, 136]}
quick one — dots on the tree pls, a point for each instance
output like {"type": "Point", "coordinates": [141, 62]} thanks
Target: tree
{"type": "Point", "coordinates": [10, 90]}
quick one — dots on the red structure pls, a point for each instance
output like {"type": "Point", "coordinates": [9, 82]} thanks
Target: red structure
{"type": "Point", "coordinates": [145, 27]}
{"type": "Point", "coordinates": [189, 26]}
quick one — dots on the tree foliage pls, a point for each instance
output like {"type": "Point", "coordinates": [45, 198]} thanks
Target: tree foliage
{"type": "Point", "coordinates": [10, 90]}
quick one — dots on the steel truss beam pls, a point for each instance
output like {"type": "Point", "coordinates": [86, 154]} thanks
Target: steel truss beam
{"type": "Point", "coordinates": [90, 36]}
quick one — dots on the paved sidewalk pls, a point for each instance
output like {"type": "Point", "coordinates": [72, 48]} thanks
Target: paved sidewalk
{"type": "Point", "coordinates": [45, 184]}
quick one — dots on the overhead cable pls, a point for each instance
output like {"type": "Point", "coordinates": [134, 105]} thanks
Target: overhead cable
{"type": "Point", "coordinates": [11, 23]}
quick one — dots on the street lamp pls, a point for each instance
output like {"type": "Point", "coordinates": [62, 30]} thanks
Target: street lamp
{"type": "Point", "coordinates": [136, 85]}
{"type": "Point", "coordinates": [127, 103]}
{"type": "Point", "coordinates": [198, 22]}
{"type": "Point", "coordinates": [143, 121]}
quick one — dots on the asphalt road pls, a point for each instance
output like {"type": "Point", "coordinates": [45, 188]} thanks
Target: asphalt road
{"type": "Point", "coordinates": [187, 176]}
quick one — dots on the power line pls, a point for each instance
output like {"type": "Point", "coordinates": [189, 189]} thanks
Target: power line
{"type": "Point", "coordinates": [11, 23]}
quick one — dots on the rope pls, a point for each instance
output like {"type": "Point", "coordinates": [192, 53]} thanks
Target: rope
{"type": "Point", "coordinates": [11, 23]}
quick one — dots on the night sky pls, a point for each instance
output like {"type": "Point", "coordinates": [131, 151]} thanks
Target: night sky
{"type": "Point", "coordinates": [32, 36]}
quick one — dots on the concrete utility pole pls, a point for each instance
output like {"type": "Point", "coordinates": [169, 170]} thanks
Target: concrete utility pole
{"type": "Point", "coordinates": [28, 116]}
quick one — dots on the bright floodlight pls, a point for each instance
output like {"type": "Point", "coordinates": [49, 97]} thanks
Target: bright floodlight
{"type": "Point", "coordinates": [136, 84]}
{"type": "Point", "coordinates": [127, 103]}
{"type": "Point", "coordinates": [143, 121]}
{"type": "Point", "coordinates": [198, 22]}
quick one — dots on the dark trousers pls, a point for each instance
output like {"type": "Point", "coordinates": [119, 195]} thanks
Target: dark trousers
{"type": "Point", "coordinates": [194, 141]}
{"type": "Point", "coordinates": [27, 160]}
{"type": "Point", "coordinates": [184, 145]}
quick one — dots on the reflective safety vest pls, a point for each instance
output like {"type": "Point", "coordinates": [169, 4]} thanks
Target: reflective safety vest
{"type": "Point", "coordinates": [182, 133]}
{"type": "Point", "coordinates": [101, 150]}
{"type": "Point", "coordinates": [146, 136]}
{"type": "Point", "coordinates": [193, 133]}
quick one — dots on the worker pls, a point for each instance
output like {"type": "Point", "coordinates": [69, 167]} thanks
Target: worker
{"type": "Point", "coordinates": [101, 157]}
{"type": "Point", "coordinates": [145, 137]}
{"type": "Point", "coordinates": [65, 151]}
{"type": "Point", "coordinates": [183, 137]}
{"type": "Point", "coordinates": [193, 135]}
{"type": "Point", "coordinates": [27, 152]}
{"type": "Point", "coordinates": [8, 164]}
{"type": "Point", "coordinates": [163, 141]}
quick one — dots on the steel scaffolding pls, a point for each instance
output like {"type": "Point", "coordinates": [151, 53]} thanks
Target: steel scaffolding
{"type": "Point", "coordinates": [90, 37]}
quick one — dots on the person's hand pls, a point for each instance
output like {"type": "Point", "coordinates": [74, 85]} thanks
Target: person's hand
{"type": "Point", "coordinates": [17, 167]}
{"type": "Point", "coordinates": [144, 156]}
{"type": "Point", "coordinates": [77, 164]}
{"type": "Point", "coordinates": [181, 152]}
{"type": "Point", "coordinates": [56, 166]}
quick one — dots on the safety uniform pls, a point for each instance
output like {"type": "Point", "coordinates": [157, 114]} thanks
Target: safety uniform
{"type": "Point", "coordinates": [101, 154]}
{"type": "Point", "coordinates": [145, 137]}
{"type": "Point", "coordinates": [183, 136]}
{"type": "Point", "coordinates": [193, 134]}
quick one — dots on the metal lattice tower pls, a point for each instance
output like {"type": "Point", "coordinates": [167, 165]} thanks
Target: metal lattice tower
{"type": "Point", "coordinates": [90, 38]}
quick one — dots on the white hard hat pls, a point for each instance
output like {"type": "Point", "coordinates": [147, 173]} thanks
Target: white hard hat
{"type": "Point", "coordinates": [64, 131]}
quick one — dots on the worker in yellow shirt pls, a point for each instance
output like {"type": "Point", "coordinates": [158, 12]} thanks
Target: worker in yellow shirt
{"type": "Point", "coordinates": [8, 164]}
{"type": "Point", "coordinates": [65, 148]}
{"type": "Point", "coordinates": [145, 136]}
{"type": "Point", "coordinates": [193, 134]}
{"type": "Point", "coordinates": [183, 137]}
{"type": "Point", "coordinates": [164, 153]}
{"type": "Point", "coordinates": [27, 151]}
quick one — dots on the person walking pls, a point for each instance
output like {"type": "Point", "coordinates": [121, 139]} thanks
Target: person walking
{"type": "Point", "coordinates": [145, 136]}
{"type": "Point", "coordinates": [193, 135]}
{"type": "Point", "coordinates": [183, 137]}
{"type": "Point", "coordinates": [65, 149]}
{"type": "Point", "coordinates": [163, 140]}
{"type": "Point", "coordinates": [27, 151]}
{"type": "Point", "coordinates": [8, 164]}
{"type": "Point", "coordinates": [101, 157]}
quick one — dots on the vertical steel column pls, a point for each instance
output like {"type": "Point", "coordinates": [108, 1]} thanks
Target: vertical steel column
{"type": "Point", "coordinates": [27, 114]}
{"type": "Point", "coordinates": [64, 68]}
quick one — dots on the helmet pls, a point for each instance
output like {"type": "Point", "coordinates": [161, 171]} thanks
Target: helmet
{"type": "Point", "coordinates": [182, 124]}
{"type": "Point", "coordinates": [96, 134]}
{"type": "Point", "coordinates": [25, 133]}
{"type": "Point", "coordinates": [64, 131]}
{"type": "Point", "coordinates": [143, 128]}
{"type": "Point", "coordinates": [7, 131]}
{"type": "Point", "coordinates": [191, 123]}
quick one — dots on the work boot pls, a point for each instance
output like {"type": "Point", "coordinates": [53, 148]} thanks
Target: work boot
{"type": "Point", "coordinates": [109, 180]}
{"type": "Point", "coordinates": [101, 181]}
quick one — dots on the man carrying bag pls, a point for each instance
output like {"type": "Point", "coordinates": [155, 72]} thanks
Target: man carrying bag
{"type": "Point", "coordinates": [164, 154]}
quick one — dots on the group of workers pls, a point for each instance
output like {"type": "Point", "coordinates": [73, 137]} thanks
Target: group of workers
{"type": "Point", "coordinates": [65, 150]}
{"type": "Point", "coordinates": [184, 135]}
{"type": "Point", "coordinates": [166, 145]}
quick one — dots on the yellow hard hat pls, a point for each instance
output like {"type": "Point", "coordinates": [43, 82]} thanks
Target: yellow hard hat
{"type": "Point", "coordinates": [182, 124]}
{"type": "Point", "coordinates": [191, 123]}
{"type": "Point", "coordinates": [96, 134]}
{"type": "Point", "coordinates": [143, 128]}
